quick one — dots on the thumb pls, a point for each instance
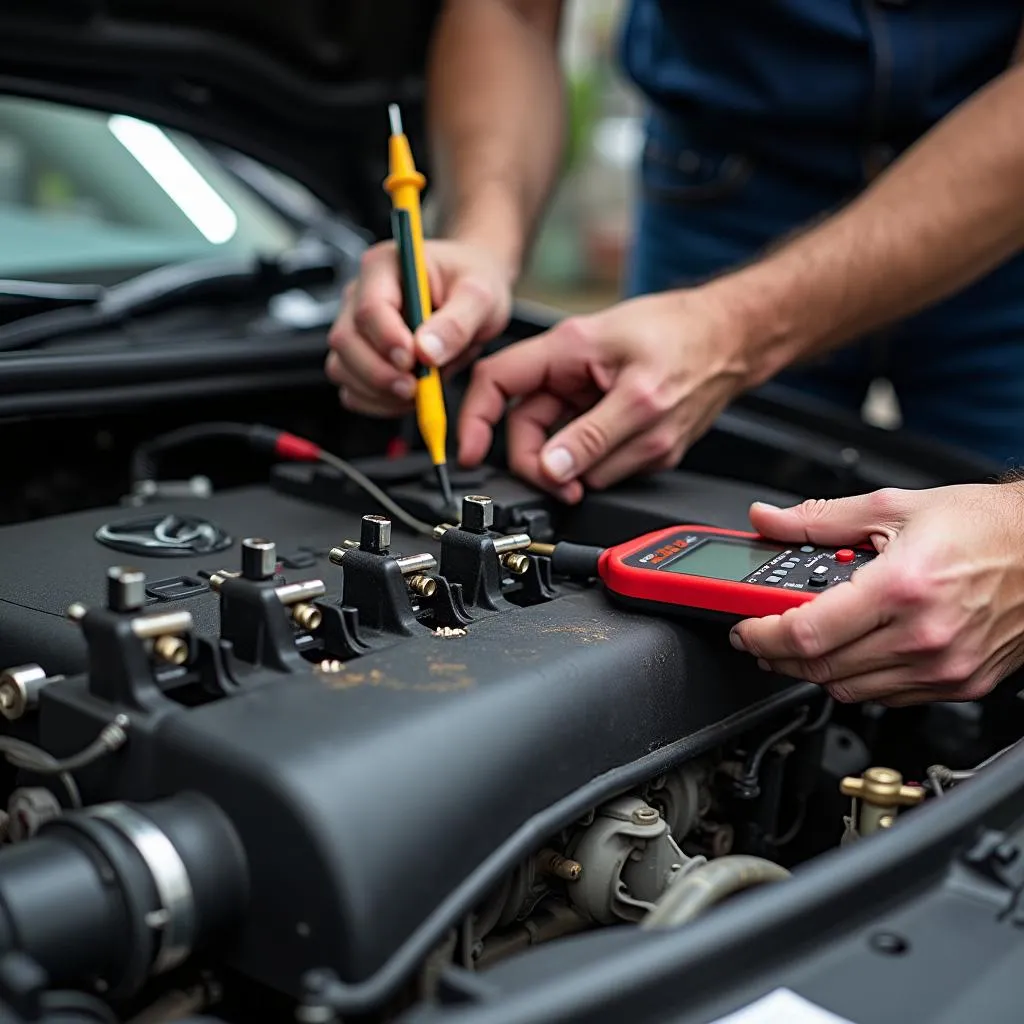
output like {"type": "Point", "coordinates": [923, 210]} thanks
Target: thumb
{"type": "Point", "coordinates": [468, 312]}
{"type": "Point", "coordinates": [854, 520]}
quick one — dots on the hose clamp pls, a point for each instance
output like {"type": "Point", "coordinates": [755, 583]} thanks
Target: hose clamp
{"type": "Point", "coordinates": [175, 920]}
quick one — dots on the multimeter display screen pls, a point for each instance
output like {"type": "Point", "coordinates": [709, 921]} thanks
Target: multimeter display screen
{"type": "Point", "coordinates": [723, 560]}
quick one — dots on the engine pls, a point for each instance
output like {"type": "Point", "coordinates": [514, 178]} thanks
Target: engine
{"type": "Point", "coordinates": [305, 775]}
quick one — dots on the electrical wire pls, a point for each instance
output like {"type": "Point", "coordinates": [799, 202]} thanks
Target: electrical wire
{"type": "Point", "coordinates": [29, 757]}
{"type": "Point", "coordinates": [378, 494]}
{"type": "Point", "coordinates": [285, 445]}
{"type": "Point", "coordinates": [939, 775]}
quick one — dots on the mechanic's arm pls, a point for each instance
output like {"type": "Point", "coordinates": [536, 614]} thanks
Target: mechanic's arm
{"type": "Point", "coordinates": [496, 116]}
{"type": "Point", "coordinates": [938, 615]}
{"type": "Point", "coordinates": [948, 212]}
{"type": "Point", "coordinates": [658, 370]}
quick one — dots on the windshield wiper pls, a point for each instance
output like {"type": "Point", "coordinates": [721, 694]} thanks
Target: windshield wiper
{"type": "Point", "coordinates": [171, 287]}
{"type": "Point", "coordinates": [19, 299]}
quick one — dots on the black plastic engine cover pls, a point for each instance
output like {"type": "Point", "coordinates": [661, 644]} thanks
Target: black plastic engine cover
{"type": "Point", "coordinates": [408, 783]}
{"type": "Point", "coordinates": [395, 781]}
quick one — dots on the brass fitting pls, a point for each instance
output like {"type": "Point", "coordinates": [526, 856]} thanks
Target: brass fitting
{"type": "Point", "coordinates": [171, 649]}
{"type": "Point", "coordinates": [551, 863]}
{"type": "Point", "coordinates": [537, 548]}
{"type": "Point", "coordinates": [425, 586]}
{"type": "Point", "coordinates": [307, 616]}
{"type": "Point", "coordinates": [516, 562]}
{"type": "Point", "coordinates": [881, 793]}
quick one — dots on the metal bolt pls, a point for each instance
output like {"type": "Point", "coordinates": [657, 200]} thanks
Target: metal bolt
{"type": "Point", "coordinates": [645, 816]}
{"type": "Point", "coordinates": [477, 513]}
{"type": "Point", "coordinates": [126, 589]}
{"type": "Point", "coordinates": [76, 612]}
{"type": "Point", "coordinates": [412, 565]}
{"type": "Point", "coordinates": [516, 562]}
{"type": "Point", "coordinates": [337, 555]}
{"type": "Point", "coordinates": [552, 863]}
{"type": "Point", "coordinates": [425, 586]}
{"type": "Point", "coordinates": [259, 558]}
{"type": "Point", "coordinates": [889, 943]}
{"type": "Point", "coordinates": [171, 649]}
{"type": "Point", "coordinates": [20, 688]}
{"type": "Point", "coordinates": [442, 528]}
{"type": "Point", "coordinates": [512, 542]}
{"type": "Point", "coordinates": [375, 535]}
{"type": "Point", "coordinates": [307, 616]}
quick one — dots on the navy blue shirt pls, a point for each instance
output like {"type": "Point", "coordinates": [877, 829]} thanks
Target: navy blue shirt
{"type": "Point", "coordinates": [870, 71]}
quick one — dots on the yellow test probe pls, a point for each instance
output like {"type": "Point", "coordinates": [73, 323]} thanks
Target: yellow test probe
{"type": "Point", "coordinates": [404, 184]}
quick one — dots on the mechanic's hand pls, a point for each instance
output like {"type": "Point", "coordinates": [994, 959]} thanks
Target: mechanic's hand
{"type": "Point", "coordinates": [657, 371]}
{"type": "Point", "coordinates": [938, 615]}
{"type": "Point", "coordinates": [372, 350]}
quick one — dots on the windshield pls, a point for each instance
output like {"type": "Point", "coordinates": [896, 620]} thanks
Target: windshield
{"type": "Point", "coordinates": [93, 197]}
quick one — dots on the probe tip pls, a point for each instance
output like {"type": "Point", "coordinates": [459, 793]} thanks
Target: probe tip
{"type": "Point", "coordinates": [446, 486]}
{"type": "Point", "coordinates": [395, 116]}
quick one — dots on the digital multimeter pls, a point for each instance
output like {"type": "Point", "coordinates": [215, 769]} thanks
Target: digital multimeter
{"type": "Point", "coordinates": [722, 573]}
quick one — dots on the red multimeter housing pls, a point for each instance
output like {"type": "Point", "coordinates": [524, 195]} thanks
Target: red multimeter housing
{"type": "Point", "coordinates": [722, 574]}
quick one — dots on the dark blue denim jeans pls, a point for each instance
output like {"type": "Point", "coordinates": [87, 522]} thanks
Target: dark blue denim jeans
{"type": "Point", "coordinates": [957, 368]}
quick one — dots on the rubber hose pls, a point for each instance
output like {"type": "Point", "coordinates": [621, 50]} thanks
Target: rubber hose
{"type": "Point", "coordinates": [708, 885]}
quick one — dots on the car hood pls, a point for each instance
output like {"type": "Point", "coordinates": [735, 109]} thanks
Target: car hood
{"type": "Point", "coordinates": [301, 85]}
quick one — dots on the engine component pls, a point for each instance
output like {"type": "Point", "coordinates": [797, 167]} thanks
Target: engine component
{"type": "Point", "coordinates": [627, 858]}
{"type": "Point", "coordinates": [28, 810]}
{"type": "Point", "coordinates": [285, 750]}
{"type": "Point", "coordinates": [119, 892]}
{"type": "Point", "coordinates": [681, 797]}
{"type": "Point", "coordinates": [708, 884]}
{"type": "Point", "coordinates": [19, 689]}
{"type": "Point", "coordinates": [880, 793]}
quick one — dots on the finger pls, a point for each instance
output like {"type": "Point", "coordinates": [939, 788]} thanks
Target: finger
{"type": "Point", "coordinates": [368, 404]}
{"type": "Point", "coordinates": [517, 370]}
{"type": "Point", "coordinates": [853, 520]}
{"type": "Point", "coordinates": [592, 437]}
{"type": "Point", "coordinates": [333, 368]}
{"type": "Point", "coordinates": [819, 627]}
{"type": "Point", "coordinates": [376, 308]}
{"type": "Point", "coordinates": [655, 449]}
{"type": "Point", "coordinates": [467, 315]}
{"type": "Point", "coordinates": [887, 685]}
{"type": "Point", "coordinates": [358, 365]}
{"type": "Point", "coordinates": [529, 426]}
{"type": "Point", "coordinates": [875, 652]}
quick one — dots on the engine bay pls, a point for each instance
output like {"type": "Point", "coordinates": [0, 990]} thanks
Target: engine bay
{"type": "Point", "coordinates": [277, 752]}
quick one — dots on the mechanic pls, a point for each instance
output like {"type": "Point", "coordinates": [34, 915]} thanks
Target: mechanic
{"type": "Point", "coordinates": [815, 171]}
{"type": "Point", "coordinates": [938, 615]}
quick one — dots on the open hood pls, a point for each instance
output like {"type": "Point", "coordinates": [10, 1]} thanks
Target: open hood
{"type": "Point", "coordinates": [300, 85]}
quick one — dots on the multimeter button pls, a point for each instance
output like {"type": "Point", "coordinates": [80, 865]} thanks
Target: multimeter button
{"type": "Point", "coordinates": [818, 581]}
{"type": "Point", "coordinates": [820, 570]}
{"type": "Point", "coordinates": [789, 565]}
{"type": "Point", "coordinates": [774, 579]}
{"type": "Point", "coordinates": [845, 555]}
{"type": "Point", "coordinates": [781, 572]}
{"type": "Point", "coordinates": [807, 548]}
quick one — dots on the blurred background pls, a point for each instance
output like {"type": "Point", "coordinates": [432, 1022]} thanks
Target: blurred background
{"type": "Point", "coordinates": [578, 260]}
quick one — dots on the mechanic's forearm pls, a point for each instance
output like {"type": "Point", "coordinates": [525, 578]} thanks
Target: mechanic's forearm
{"type": "Point", "coordinates": [496, 112]}
{"type": "Point", "coordinates": [949, 211]}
